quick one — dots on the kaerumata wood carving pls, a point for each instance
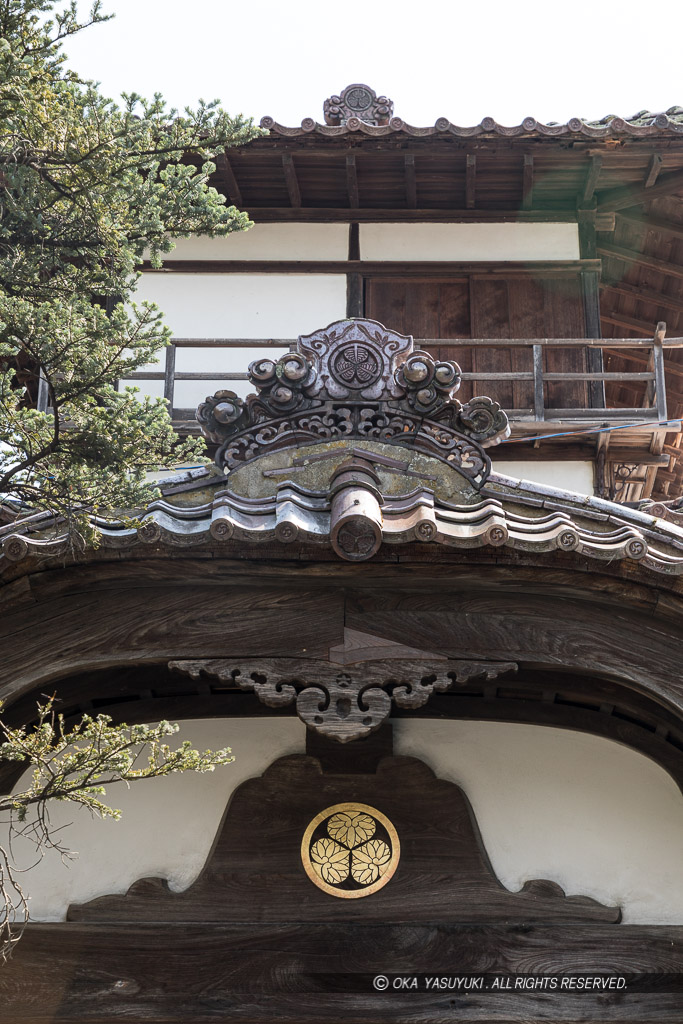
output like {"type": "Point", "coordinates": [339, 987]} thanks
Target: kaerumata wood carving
{"type": "Point", "coordinates": [349, 702]}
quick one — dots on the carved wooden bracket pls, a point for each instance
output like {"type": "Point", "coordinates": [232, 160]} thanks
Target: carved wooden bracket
{"type": "Point", "coordinates": [344, 703]}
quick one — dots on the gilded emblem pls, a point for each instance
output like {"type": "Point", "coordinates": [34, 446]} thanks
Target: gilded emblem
{"type": "Point", "coordinates": [350, 850]}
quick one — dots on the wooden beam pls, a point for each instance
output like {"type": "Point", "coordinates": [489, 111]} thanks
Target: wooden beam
{"type": "Point", "coordinates": [622, 320]}
{"type": "Point", "coordinates": [632, 291]}
{"type": "Point", "coordinates": [352, 181]}
{"type": "Point", "coordinates": [292, 180]}
{"type": "Point", "coordinates": [654, 167]}
{"type": "Point", "coordinates": [601, 451]}
{"type": "Point", "coordinates": [623, 198]}
{"type": "Point", "coordinates": [640, 360]}
{"type": "Point", "coordinates": [411, 182]}
{"type": "Point", "coordinates": [528, 182]}
{"type": "Point", "coordinates": [652, 224]}
{"type": "Point", "coordinates": [606, 343]}
{"type": "Point", "coordinates": [592, 176]}
{"type": "Point", "coordinates": [224, 167]}
{"type": "Point", "coordinates": [641, 259]}
{"type": "Point", "coordinates": [470, 180]}
{"type": "Point", "coordinates": [428, 268]}
{"type": "Point", "coordinates": [605, 221]}
{"type": "Point", "coordinates": [444, 215]}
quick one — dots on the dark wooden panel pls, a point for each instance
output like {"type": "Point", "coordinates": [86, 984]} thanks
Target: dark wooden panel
{"type": "Point", "coordinates": [255, 873]}
{"type": "Point", "coordinates": [491, 319]}
{"type": "Point", "coordinates": [100, 628]}
{"type": "Point", "coordinates": [385, 300]}
{"type": "Point", "coordinates": [454, 322]}
{"type": "Point", "coordinates": [483, 306]}
{"type": "Point", "coordinates": [527, 320]}
{"type": "Point", "coordinates": [538, 629]}
{"type": "Point", "coordinates": [426, 309]}
{"type": "Point", "coordinates": [296, 973]}
{"type": "Point", "coordinates": [564, 318]}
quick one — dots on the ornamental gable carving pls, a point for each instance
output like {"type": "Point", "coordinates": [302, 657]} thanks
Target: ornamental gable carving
{"type": "Point", "coordinates": [360, 102]}
{"type": "Point", "coordinates": [355, 379]}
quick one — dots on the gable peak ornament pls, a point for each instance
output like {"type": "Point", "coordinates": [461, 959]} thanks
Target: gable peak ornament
{"type": "Point", "coordinates": [357, 379]}
{"type": "Point", "coordinates": [358, 101]}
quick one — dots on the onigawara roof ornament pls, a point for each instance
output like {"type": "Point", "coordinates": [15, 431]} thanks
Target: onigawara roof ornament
{"type": "Point", "coordinates": [355, 379]}
{"type": "Point", "coordinates": [358, 101]}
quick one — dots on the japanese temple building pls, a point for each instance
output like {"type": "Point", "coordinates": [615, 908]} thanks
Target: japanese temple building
{"type": "Point", "coordinates": [430, 592]}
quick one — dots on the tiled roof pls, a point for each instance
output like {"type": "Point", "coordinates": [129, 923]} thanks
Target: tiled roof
{"type": "Point", "coordinates": [511, 513]}
{"type": "Point", "coordinates": [643, 124]}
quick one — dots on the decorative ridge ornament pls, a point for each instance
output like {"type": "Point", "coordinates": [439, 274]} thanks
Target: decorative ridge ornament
{"type": "Point", "coordinates": [360, 102]}
{"type": "Point", "coordinates": [355, 379]}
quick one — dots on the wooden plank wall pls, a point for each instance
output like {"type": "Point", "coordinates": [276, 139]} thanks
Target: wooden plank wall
{"type": "Point", "coordinates": [479, 306]}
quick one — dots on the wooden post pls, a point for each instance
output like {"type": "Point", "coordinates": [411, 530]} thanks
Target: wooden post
{"type": "Point", "coordinates": [354, 282]}
{"type": "Point", "coordinates": [169, 377]}
{"type": "Point", "coordinates": [590, 288]}
{"type": "Point", "coordinates": [43, 394]}
{"type": "Point", "coordinates": [539, 406]}
{"type": "Point", "coordinates": [660, 378]}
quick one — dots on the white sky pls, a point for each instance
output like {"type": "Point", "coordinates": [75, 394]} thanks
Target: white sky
{"type": "Point", "coordinates": [462, 60]}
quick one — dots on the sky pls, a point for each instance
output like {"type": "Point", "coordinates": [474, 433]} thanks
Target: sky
{"type": "Point", "coordinates": [434, 58]}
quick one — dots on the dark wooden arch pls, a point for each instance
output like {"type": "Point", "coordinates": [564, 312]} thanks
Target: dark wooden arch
{"type": "Point", "coordinates": [598, 649]}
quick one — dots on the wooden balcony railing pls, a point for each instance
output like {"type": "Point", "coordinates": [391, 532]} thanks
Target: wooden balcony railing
{"type": "Point", "coordinates": [535, 379]}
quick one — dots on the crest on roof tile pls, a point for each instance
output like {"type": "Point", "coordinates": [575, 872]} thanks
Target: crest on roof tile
{"type": "Point", "coordinates": [358, 101]}
{"type": "Point", "coordinates": [355, 379]}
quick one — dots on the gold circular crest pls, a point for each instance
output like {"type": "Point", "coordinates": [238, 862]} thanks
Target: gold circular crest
{"type": "Point", "coordinates": [350, 850]}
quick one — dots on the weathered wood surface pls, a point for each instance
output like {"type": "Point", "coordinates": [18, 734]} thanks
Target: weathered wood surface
{"type": "Point", "coordinates": [255, 873]}
{"type": "Point", "coordinates": [103, 627]}
{"type": "Point", "coordinates": [491, 605]}
{"type": "Point", "coordinates": [347, 703]}
{"type": "Point", "coordinates": [425, 268]}
{"type": "Point", "coordinates": [293, 973]}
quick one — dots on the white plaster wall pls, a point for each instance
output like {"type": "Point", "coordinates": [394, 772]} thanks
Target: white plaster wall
{"type": "Point", "coordinates": [245, 305]}
{"type": "Point", "coordinates": [568, 476]}
{"type": "Point", "coordinates": [269, 242]}
{"type": "Point", "coordinates": [235, 306]}
{"type": "Point", "coordinates": [590, 814]}
{"type": "Point", "coordinates": [167, 826]}
{"type": "Point", "coordinates": [598, 818]}
{"type": "Point", "coordinates": [469, 242]}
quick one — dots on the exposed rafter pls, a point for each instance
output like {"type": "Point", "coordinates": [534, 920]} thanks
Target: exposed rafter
{"type": "Point", "coordinates": [623, 198]}
{"type": "Point", "coordinates": [470, 180]}
{"type": "Point", "coordinates": [654, 167]}
{"type": "Point", "coordinates": [592, 176]}
{"type": "Point", "coordinates": [292, 180]}
{"type": "Point", "coordinates": [648, 223]}
{"type": "Point", "coordinates": [641, 259]}
{"type": "Point", "coordinates": [411, 183]}
{"type": "Point", "coordinates": [352, 181]}
{"type": "Point", "coordinates": [224, 167]}
{"type": "Point", "coordinates": [631, 291]}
